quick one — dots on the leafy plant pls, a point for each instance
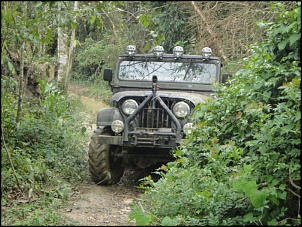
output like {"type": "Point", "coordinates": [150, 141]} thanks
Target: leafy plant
{"type": "Point", "coordinates": [44, 159]}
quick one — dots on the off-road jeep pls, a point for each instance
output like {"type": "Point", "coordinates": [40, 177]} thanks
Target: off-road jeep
{"type": "Point", "coordinates": [154, 96]}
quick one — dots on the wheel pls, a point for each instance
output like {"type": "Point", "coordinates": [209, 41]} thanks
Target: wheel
{"type": "Point", "coordinates": [105, 163]}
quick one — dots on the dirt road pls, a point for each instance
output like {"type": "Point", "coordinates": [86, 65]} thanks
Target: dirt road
{"type": "Point", "coordinates": [93, 205]}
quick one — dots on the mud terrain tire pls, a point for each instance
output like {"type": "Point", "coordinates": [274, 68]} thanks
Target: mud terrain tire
{"type": "Point", "coordinates": [105, 166]}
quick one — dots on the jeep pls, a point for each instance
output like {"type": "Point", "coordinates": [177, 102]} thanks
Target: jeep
{"type": "Point", "coordinates": [153, 99]}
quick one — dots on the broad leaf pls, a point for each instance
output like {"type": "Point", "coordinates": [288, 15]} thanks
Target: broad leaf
{"type": "Point", "coordinates": [167, 221]}
{"type": "Point", "coordinates": [258, 199]}
{"type": "Point", "coordinates": [293, 38]}
{"type": "Point", "coordinates": [141, 218]}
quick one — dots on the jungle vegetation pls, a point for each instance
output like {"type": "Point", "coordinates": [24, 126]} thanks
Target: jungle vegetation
{"type": "Point", "coordinates": [241, 166]}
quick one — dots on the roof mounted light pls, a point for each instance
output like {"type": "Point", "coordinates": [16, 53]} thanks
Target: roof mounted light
{"type": "Point", "coordinates": [131, 50]}
{"type": "Point", "coordinates": [178, 51]}
{"type": "Point", "coordinates": [158, 51]}
{"type": "Point", "coordinates": [206, 52]}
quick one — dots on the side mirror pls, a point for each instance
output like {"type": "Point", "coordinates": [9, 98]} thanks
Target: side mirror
{"type": "Point", "coordinates": [107, 75]}
{"type": "Point", "coordinates": [225, 77]}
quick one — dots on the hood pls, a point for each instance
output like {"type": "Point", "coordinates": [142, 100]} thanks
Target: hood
{"type": "Point", "coordinates": [194, 97]}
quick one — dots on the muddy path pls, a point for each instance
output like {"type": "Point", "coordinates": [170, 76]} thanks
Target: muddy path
{"type": "Point", "coordinates": [94, 205]}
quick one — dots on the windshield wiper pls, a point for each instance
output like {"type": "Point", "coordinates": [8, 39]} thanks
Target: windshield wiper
{"type": "Point", "coordinates": [146, 67]}
{"type": "Point", "coordinates": [188, 69]}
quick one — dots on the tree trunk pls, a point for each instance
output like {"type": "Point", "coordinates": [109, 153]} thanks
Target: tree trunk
{"type": "Point", "coordinates": [62, 50]}
{"type": "Point", "coordinates": [70, 52]}
{"type": "Point", "coordinates": [21, 77]}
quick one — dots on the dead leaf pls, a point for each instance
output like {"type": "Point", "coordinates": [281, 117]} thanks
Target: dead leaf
{"type": "Point", "coordinates": [239, 114]}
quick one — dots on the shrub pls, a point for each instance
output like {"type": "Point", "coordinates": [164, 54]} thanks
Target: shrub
{"type": "Point", "coordinates": [41, 161]}
{"type": "Point", "coordinates": [241, 165]}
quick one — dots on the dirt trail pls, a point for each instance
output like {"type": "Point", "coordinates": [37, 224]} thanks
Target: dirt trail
{"type": "Point", "coordinates": [94, 205]}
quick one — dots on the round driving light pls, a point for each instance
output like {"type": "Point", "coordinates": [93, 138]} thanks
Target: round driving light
{"type": "Point", "coordinates": [178, 51]}
{"type": "Point", "coordinates": [181, 109]}
{"type": "Point", "coordinates": [188, 128]}
{"type": "Point", "coordinates": [158, 51]}
{"type": "Point", "coordinates": [206, 52]}
{"type": "Point", "coordinates": [131, 50]}
{"type": "Point", "coordinates": [117, 126]}
{"type": "Point", "coordinates": [129, 106]}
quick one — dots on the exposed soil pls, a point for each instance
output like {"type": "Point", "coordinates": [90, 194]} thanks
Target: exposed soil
{"type": "Point", "coordinates": [94, 205]}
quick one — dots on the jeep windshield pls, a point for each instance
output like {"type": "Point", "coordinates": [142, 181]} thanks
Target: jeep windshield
{"type": "Point", "coordinates": [190, 71]}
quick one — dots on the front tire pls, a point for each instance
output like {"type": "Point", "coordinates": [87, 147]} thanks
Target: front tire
{"type": "Point", "coordinates": [105, 162]}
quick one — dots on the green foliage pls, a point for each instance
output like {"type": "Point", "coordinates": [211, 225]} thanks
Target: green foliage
{"type": "Point", "coordinates": [232, 67]}
{"type": "Point", "coordinates": [92, 57]}
{"type": "Point", "coordinates": [41, 211]}
{"type": "Point", "coordinates": [241, 165]}
{"type": "Point", "coordinates": [167, 34]}
{"type": "Point", "coordinates": [100, 90]}
{"type": "Point", "coordinates": [18, 24]}
{"type": "Point", "coordinates": [46, 155]}
{"type": "Point", "coordinates": [141, 218]}
{"type": "Point", "coordinates": [88, 60]}
{"type": "Point", "coordinates": [8, 104]}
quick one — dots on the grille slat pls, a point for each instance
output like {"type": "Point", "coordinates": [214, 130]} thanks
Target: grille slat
{"type": "Point", "coordinates": [154, 116]}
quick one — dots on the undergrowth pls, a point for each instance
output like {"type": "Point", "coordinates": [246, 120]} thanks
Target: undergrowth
{"type": "Point", "coordinates": [42, 161]}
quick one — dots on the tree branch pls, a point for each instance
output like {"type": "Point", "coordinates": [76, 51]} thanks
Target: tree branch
{"type": "Point", "coordinates": [209, 30]}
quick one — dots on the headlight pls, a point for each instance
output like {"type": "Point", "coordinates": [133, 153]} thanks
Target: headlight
{"type": "Point", "coordinates": [188, 128]}
{"type": "Point", "coordinates": [117, 126]}
{"type": "Point", "coordinates": [181, 109]}
{"type": "Point", "coordinates": [129, 106]}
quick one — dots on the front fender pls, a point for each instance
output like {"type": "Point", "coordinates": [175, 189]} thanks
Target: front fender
{"type": "Point", "coordinates": [107, 115]}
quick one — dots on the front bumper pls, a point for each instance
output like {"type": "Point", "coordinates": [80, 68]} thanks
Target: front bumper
{"type": "Point", "coordinates": [139, 139]}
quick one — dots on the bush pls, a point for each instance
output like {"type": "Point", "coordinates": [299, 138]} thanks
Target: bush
{"type": "Point", "coordinates": [42, 160]}
{"type": "Point", "coordinates": [241, 166]}
{"type": "Point", "coordinates": [91, 57]}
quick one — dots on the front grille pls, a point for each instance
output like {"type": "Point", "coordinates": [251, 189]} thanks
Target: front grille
{"type": "Point", "coordinates": [153, 123]}
{"type": "Point", "coordinates": [154, 116]}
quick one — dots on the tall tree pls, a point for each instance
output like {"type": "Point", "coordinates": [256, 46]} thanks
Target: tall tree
{"type": "Point", "coordinates": [71, 48]}
{"type": "Point", "coordinates": [62, 47]}
{"type": "Point", "coordinates": [21, 75]}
